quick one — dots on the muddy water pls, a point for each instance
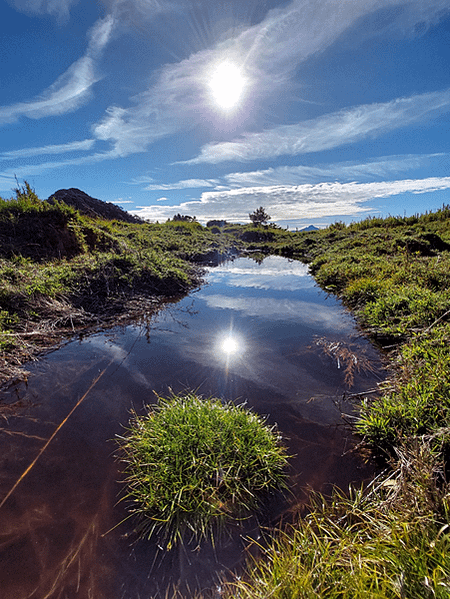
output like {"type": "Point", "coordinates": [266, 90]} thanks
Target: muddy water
{"type": "Point", "coordinates": [290, 353]}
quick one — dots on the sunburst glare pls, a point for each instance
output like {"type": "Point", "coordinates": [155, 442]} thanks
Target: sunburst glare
{"type": "Point", "coordinates": [230, 345]}
{"type": "Point", "coordinates": [227, 85]}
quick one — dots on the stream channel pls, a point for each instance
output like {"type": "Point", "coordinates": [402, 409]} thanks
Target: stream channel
{"type": "Point", "coordinates": [291, 351]}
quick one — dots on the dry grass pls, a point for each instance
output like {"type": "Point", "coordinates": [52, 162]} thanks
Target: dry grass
{"type": "Point", "coordinates": [350, 359]}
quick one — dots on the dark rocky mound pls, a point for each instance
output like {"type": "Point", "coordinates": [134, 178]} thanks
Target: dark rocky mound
{"type": "Point", "coordinates": [91, 206]}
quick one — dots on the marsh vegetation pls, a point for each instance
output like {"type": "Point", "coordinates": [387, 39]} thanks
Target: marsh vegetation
{"type": "Point", "coordinates": [64, 273]}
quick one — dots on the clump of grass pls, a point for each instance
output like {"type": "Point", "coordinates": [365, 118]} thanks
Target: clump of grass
{"type": "Point", "coordinates": [192, 464]}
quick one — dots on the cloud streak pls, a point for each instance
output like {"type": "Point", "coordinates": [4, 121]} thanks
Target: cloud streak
{"type": "Point", "coordinates": [73, 146]}
{"type": "Point", "coordinates": [328, 131]}
{"type": "Point", "coordinates": [58, 8]}
{"type": "Point", "coordinates": [8, 177]}
{"type": "Point", "coordinates": [73, 88]}
{"type": "Point", "coordinates": [186, 184]}
{"type": "Point", "coordinates": [344, 171]}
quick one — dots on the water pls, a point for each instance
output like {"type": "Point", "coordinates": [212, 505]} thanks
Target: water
{"type": "Point", "coordinates": [259, 333]}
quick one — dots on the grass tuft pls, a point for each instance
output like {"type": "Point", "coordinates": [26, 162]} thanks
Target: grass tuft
{"type": "Point", "coordinates": [193, 464]}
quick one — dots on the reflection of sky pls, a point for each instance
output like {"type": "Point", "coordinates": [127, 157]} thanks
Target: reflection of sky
{"type": "Point", "coordinates": [274, 325]}
{"type": "Point", "coordinates": [276, 290]}
{"type": "Point", "coordinates": [275, 272]}
{"type": "Point", "coordinates": [269, 362]}
{"type": "Point", "coordinates": [311, 314]}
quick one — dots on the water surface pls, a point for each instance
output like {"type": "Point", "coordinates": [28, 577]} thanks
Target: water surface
{"type": "Point", "coordinates": [263, 334]}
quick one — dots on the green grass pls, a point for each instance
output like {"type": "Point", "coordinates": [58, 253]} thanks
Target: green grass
{"type": "Point", "coordinates": [193, 464]}
{"type": "Point", "coordinates": [417, 399]}
{"type": "Point", "coordinates": [391, 542]}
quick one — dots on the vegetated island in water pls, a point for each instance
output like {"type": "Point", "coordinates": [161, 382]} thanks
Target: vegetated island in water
{"type": "Point", "coordinates": [68, 270]}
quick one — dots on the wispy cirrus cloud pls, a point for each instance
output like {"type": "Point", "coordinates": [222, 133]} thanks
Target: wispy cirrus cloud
{"type": "Point", "coordinates": [73, 146]}
{"type": "Point", "coordinates": [185, 184]}
{"type": "Point", "coordinates": [328, 131]}
{"type": "Point", "coordinates": [294, 202]}
{"type": "Point", "coordinates": [58, 8]}
{"type": "Point", "coordinates": [72, 88]}
{"type": "Point", "coordinates": [269, 52]}
{"type": "Point", "coordinates": [8, 176]}
{"type": "Point", "coordinates": [382, 167]}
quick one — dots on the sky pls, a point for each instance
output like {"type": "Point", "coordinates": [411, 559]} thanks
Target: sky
{"type": "Point", "coordinates": [318, 110]}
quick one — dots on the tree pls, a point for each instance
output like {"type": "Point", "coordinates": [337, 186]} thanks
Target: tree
{"type": "Point", "coordinates": [259, 217]}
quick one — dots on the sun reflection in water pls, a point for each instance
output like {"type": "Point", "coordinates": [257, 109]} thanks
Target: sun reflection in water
{"type": "Point", "coordinates": [229, 347]}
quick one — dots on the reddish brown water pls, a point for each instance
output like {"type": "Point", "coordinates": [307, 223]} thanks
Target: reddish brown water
{"type": "Point", "coordinates": [63, 534]}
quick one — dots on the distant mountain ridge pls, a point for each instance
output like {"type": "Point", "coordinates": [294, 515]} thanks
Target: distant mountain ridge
{"type": "Point", "coordinates": [309, 228]}
{"type": "Point", "coordinates": [92, 207]}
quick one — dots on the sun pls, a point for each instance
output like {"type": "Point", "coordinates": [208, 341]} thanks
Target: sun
{"type": "Point", "coordinates": [227, 85]}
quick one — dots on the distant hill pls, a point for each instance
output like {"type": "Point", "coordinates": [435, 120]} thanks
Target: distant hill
{"type": "Point", "coordinates": [92, 207]}
{"type": "Point", "coordinates": [309, 228]}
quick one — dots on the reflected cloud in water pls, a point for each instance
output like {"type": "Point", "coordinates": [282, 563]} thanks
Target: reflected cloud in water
{"type": "Point", "coordinates": [274, 272]}
{"type": "Point", "coordinates": [308, 313]}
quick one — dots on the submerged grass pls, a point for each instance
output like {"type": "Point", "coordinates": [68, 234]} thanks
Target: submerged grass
{"type": "Point", "coordinates": [193, 464]}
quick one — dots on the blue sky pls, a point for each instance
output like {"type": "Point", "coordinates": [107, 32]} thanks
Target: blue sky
{"type": "Point", "coordinates": [318, 110]}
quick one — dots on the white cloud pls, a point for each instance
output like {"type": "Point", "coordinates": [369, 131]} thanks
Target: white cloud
{"type": "Point", "coordinates": [274, 273]}
{"type": "Point", "coordinates": [328, 131]}
{"type": "Point", "coordinates": [58, 8]}
{"type": "Point", "coordinates": [72, 88]}
{"type": "Point", "coordinates": [74, 146]}
{"type": "Point", "coordinates": [8, 177]}
{"type": "Point", "coordinates": [186, 184]}
{"type": "Point", "coordinates": [296, 175]}
{"type": "Point", "coordinates": [269, 53]}
{"type": "Point", "coordinates": [309, 313]}
{"type": "Point", "coordinates": [294, 202]}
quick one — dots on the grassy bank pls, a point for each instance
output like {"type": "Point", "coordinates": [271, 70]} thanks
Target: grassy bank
{"type": "Point", "coordinates": [392, 539]}
{"type": "Point", "coordinates": [63, 273]}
